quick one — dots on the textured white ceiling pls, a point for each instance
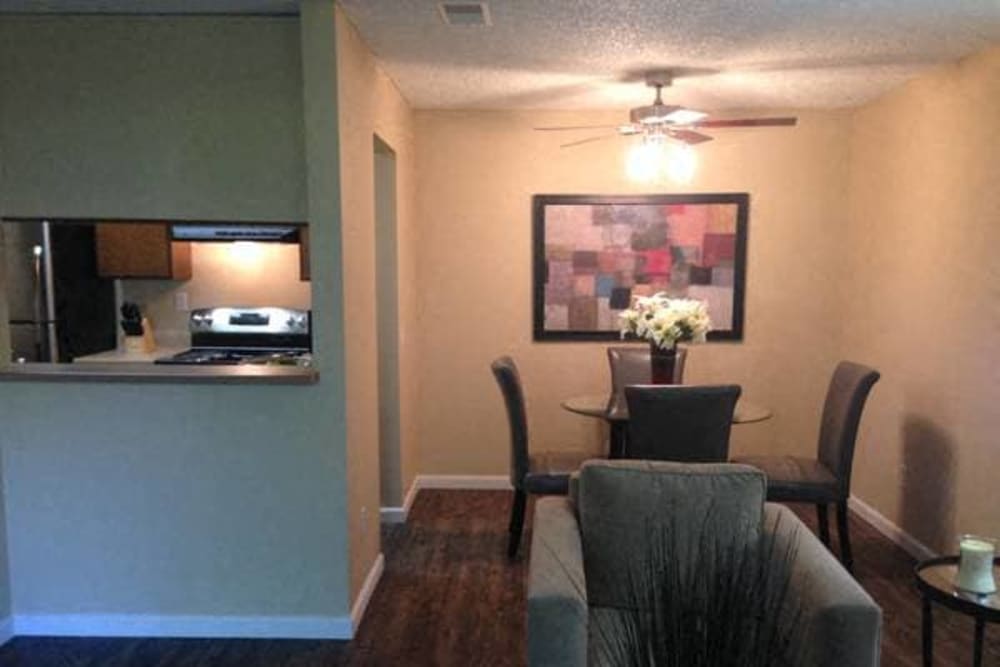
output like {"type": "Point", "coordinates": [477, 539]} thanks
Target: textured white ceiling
{"type": "Point", "coordinates": [566, 54]}
{"type": "Point", "coordinates": [149, 6]}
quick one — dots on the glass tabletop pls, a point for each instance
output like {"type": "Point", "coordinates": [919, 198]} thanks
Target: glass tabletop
{"type": "Point", "coordinates": [598, 405]}
{"type": "Point", "coordinates": [940, 575]}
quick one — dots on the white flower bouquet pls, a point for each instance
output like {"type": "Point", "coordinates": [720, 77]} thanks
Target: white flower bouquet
{"type": "Point", "coordinates": [665, 321]}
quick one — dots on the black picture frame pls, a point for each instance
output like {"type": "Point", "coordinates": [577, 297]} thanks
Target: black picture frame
{"type": "Point", "coordinates": [540, 264]}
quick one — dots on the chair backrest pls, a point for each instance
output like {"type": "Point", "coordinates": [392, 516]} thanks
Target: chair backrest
{"type": "Point", "coordinates": [505, 371]}
{"type": "Point", "coordinates": [624, 506]}
{"type": "Point", "coordinates": [845, 400]}
{"type": "Point", "coordinates": [680, 423]}
{"type": "Point", "coordinates": [631, 365]}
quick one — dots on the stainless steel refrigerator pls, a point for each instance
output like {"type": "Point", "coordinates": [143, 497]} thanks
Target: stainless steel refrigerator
{"type": "Point", "coordinates": [59, 308]}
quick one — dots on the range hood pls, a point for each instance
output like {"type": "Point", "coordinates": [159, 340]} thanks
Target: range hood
{"type": "Point", "coordinates": [236, 232]}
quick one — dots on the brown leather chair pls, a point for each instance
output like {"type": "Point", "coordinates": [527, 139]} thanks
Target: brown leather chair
{"type": "Point", "coordinates": [688, 424]}
{"type": "Point", "coordinates": [540, 473]}
{"type": "Point", "coordinates": [827, 478]}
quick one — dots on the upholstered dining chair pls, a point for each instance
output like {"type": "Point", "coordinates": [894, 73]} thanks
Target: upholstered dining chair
{"type": "Point", "coordinates": [631, 365]}
{"type": "Point", "coordinates": [826, 479]}
{"type": "Point", "coordinates": [688, 424]}
{"type": "Point", "coordinates": [540, 472]}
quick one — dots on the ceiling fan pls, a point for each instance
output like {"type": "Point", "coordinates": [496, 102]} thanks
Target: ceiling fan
{"type": "Point", "coordinates": [659, 121]}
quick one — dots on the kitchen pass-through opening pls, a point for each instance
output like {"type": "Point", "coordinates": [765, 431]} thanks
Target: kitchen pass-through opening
{"type": "Point", "coordinates": [150, 291]}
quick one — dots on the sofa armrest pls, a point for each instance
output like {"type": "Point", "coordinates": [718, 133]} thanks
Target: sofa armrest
{"type": "Point", "coordinates": [840, 624]}
{"type": "Point", "coordinates": [557, 598]}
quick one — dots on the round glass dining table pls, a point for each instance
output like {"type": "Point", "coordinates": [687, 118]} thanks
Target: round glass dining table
{"type": "Point", "coordinates": [615, 413]}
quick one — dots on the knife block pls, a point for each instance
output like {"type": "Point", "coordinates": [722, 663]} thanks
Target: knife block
{"type": "Point", "coordinates": [144, 343]}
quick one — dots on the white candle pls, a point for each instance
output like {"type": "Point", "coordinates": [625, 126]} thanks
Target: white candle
{"type": "Point", "coordinates": [975, 565]}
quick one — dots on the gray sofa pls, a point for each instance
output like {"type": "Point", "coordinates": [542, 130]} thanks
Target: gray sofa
{"type": "Point", "coordinates": [615, 501]}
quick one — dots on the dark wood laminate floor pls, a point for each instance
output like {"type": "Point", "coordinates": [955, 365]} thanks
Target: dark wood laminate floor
{"type": "Point", "coordinates": [449, 597]}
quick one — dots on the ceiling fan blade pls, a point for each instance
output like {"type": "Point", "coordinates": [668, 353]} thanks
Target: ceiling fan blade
{"type": "Point", "coordinates": [690, 137]}
{"type": "Point", "coordinates": [588, 140]}
{"type": "Point", "coordinates": [749, 122]}
{"type": "Point", "coordinates": [558, 128]}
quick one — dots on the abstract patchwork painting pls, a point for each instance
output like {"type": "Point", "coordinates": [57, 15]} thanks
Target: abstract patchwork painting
{"type": "Point", "coordinates": [593, 253]}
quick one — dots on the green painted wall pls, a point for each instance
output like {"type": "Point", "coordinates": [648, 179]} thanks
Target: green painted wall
{"type": "Point", "coordinates": [196, 500]}
{"type": "Point", "coordinates": [171, 499]}
{"type": "Point", "coordinates": [167, 118]}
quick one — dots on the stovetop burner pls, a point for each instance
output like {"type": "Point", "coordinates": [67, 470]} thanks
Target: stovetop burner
{"type": "Point", "coordinates": [233, 356]}
{"type": "Point", "coordinates": [228, 336]}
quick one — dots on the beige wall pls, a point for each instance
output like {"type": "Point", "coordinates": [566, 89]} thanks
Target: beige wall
{"type": "Point", "coordinates": [476, 174]}
{"type": "Point", "coordinates": [922, 299]}
{"type": "Point", "coordinates": [394, 124]}
{"type": "Point", "coordinates": [261, 274]}
{"type": "Point", "coordinates": [369, 105]}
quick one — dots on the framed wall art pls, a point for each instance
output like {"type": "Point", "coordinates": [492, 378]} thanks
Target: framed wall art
{"type": "Point", "coordinates": [593, 253]}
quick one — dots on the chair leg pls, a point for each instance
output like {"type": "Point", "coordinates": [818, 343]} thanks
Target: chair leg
{"type": "Point", "coordinates": [844, 535]}
{"type": "Point", "coordinates": [516, 522]}
{"type": "Point", "coordinates": [824, 524]}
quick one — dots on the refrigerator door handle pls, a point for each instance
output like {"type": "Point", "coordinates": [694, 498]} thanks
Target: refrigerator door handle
{"type": "Point", "coordinates": [50, 298]}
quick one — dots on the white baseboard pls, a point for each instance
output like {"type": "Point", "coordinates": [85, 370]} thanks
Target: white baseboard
{"type": "Point", "coordinates": [242, 627]}
{"type": "Point", "coordinates": [471, 482]}
{"type": "Point", "coordinates": [6, 630]}
{"type": "Point", "coordinates": [466, 482]}
{"type": "Point", "coordinates": [882, 524]}
{"type": "Point", "coordinates": [399, 514]}
{"type": "Point", "coordinates": [366, 592]}
{"type": "Point", "coordinates": [145, 625]}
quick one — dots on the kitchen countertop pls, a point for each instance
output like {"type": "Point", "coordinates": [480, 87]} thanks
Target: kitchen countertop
{"type": "Point", "coordinates": [137, 372]}
{"type": "Point", "coordinates": [121, 355]}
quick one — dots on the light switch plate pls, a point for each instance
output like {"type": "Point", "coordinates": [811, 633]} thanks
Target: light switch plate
{"type": "Point", "coordinates": [181, 301]}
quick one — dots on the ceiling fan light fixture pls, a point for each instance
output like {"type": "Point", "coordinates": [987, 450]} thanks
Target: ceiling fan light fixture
{"type": "Point", "coordinates": [657, 157]}
{"type": "Point", "coordinates": [642, 164]}
{"type": "Point", "coordinates": [653, 114]}
{"type": "Point", "coordinates": [681, 163]}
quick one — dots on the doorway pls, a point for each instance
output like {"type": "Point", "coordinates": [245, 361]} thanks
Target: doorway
{"type": "Point", "coordinates": [387, 324]}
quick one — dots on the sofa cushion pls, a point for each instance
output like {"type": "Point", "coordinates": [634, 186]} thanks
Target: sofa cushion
{"type": "Point", "coordinates": [623, 505]}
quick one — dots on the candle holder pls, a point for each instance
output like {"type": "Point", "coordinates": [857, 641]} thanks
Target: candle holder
{"type": "Point", "coordinates": [975, 564]}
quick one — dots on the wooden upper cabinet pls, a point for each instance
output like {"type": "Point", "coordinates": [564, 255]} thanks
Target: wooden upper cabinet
{"type": "Point", "coordinates": [304, 273]}
{"type": "Point", "coordinates": [141, 250]}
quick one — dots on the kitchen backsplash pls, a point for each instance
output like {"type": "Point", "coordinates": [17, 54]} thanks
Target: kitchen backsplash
{"type": "Point", "coordinates": [223, 274]}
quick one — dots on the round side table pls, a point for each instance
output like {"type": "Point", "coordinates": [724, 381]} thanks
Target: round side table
{"type": "Point", "coordinates": [936, 582]}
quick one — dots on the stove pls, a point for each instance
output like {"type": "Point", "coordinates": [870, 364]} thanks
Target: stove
{"type": "Point", "coordinates": [227, 336]}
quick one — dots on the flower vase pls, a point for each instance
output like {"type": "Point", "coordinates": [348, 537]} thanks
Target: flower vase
{"type": "Point", "coordinates": [662, 364]}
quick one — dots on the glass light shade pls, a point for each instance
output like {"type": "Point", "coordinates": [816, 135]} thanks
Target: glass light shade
{"type": "Point", "coordinates": [681, 163]}
{"type": "Point", "coordinates": [644, 161]}
{"type": "Point", "coordinates": [655, 158]}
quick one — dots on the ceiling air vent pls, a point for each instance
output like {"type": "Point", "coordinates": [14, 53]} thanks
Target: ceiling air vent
{"type": "Point", "coordinates": [464, 13]}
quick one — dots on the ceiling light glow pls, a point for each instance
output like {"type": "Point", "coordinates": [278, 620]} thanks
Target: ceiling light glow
{"type": "Point", "coordinates": [681, 163]}
{"type": "Point", "coordinates": [245, 252]}
{"type": "Point", "coordinates": [654, 158]}
{"type": "Point", "coordinates": [644, 161]}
